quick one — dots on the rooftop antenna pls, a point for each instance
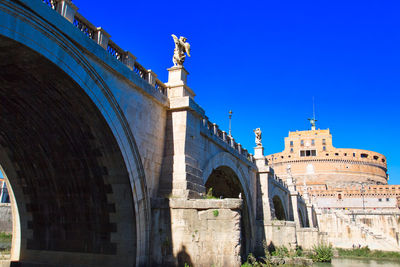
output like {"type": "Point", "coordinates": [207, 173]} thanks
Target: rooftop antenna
{"type": "Point", "coordinates": [313, 120]}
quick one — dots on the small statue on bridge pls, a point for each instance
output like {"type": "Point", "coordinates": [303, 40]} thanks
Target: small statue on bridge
{"type": "Point", "coordinates": [258, 132]}
{"type": "Point", "coordinates": [181, 47]}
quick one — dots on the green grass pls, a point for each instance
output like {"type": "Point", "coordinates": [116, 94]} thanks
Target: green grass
{"type": "Point", "coordinates": [322, 253]}
{"type": "Point", "coordinates": [5, 237]}
{"type": "Point", "coordinates": [366, 253]}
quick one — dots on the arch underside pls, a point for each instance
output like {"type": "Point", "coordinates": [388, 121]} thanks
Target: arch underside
{"type": "Point", "coordinates": [280, 213]}
{"type": "Point", "coordinates": [69, 178]}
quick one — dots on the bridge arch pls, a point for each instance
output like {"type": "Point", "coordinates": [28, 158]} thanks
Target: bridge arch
{"type": "Point", "coordinates": [92, 186]}
{"type": "Point", "coordinates": [224, 166]}
{"type": "Point", "coordinates": [280, 211]}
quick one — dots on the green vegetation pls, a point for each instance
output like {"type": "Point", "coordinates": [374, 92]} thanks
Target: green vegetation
{"type": "Point", "coordinates": [5, 237]}
{"type": "Point", "coordinates": [281, 252]}
{"type": "Point", "coordinates": [209, 194]}
{"type": "Point", "coordinates": [322, 253]}
{"type": "Point", "coordinates": [5, 245]}
{"type": "Point", "coordinates": [216, 213]}
{"type": "Point", "coordinates": [262, 262]}
{"type": "Point", "coordinates": [365, 252]}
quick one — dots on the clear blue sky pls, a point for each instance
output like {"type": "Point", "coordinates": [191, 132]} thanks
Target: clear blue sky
{"type": "Point", "coordinates": [265, 60]}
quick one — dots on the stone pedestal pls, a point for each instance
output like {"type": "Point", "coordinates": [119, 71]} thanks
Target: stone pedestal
{"type": "Point", "coordinates": [177, 83]}
{"type": "Point", "coordinates": [259, 152]}
{"type": "Point", "coordinates": [67, 9]}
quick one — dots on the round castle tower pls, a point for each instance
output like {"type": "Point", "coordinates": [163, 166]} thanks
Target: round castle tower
{"type": "Point", "coordinates": [316, 162]}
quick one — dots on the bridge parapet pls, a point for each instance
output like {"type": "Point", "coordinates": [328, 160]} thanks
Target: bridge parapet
{"type": "Point", "coordinates": [229, 141]}
{"type": "Point", "coordinates": [69, 11]}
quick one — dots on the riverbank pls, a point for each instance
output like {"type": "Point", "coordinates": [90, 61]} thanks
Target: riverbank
{"type": "Point", "coordinates": [366, 253]}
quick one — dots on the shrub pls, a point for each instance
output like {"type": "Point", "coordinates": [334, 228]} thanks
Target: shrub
{"type": "Point", "coordinates": [280, 251]}
{"type": "Point", "coordinates": [322, 253]}
{"type": "Point", "coordinates": [216, 213]}
{"type": "Point", "coordinates": [209, 194]}
{"type": "Point", "coordinates": [298, 252]}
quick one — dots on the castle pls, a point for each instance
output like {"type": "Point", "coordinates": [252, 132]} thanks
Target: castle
{"type": "Point", "coordinates": [348, 189]}
{"type": "Point", "coordinates": [335, 177]}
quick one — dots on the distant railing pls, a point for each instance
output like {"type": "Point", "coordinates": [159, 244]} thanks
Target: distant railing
{"type": "Point", "coordinates": [103, 39]}
{"type": "Point", "coordinates": [160, 86]}
{"type": "Point", "coordinates": [115, 50]}
{"type": "Point", "coordinates": [140, 70]}
{"type": "Point", "coordinates": [84, 25]}
{"type": "Point", "coordinates": [229, 140]}
{"type": "Point", "coordinates": [51, 3]}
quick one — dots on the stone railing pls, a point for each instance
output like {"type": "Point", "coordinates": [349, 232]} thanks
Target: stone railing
{"type": "Point", "coordinates": [214, 130]}
{"type": "Point", "coordinates": [279, 181]}
{"type": "Point", "coordinates": [84, 25]}
{"type": "Point", "coordinates": [51, 3]}
{"type": "Point", "coordinates": [69, 11]}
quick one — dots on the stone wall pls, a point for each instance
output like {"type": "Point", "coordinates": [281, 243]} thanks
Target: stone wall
{"type": "Point", "coordinates": [5, 218]}
{"type": "Point", "coordinates": [203, 233]}
{"type": "Point", "coordinates": [308, 237]}
{"type": "Point", "coordinates": [375, 229]}
{"type": "Point", "coordinates": [281, 233]}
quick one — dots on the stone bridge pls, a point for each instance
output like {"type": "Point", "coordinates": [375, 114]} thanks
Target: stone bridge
{"type": "Point", "coordinates": [109, 166]}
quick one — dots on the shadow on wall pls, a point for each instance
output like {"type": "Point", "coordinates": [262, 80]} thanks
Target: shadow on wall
{"type": "Point", "coordinates": [184, 258]}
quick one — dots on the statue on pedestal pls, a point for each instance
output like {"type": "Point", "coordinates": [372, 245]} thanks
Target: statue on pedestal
{"type": "Point", "coordinates": [258, 132]}
{"type": "Point", "coordinates": [181, 47]}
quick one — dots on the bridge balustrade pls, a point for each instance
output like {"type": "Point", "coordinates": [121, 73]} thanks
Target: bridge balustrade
{"type": "Point", "coordinates": [84, 26]}
{"type": "Point", "coordinates": [103, 39]}
{"type": "Point", "coordinates": [214, 130]}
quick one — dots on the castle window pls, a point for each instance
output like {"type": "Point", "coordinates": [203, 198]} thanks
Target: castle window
{"type": "Point", "coordinates": [323, 141]}
{"type": "Point", "coordinates": [302, 142]}
{"type": "Point", "coordinates": [345, 154]}
{"type": "Point", "coordinates": [291, 143]}
{"type": "Point", "coordinates": [327, 154]}
{"type": "Point", "coordinates": [291, 150]}
{"type": "Point", "coordinates": [376, 157]}
{"type": "Point", "coordinates": [324, 148]}
{"type": "Point", "coordinates": [364, 155]}
{"type": "Point", "coordinates": [308, 153]}
{"type": "Point", "coordinates": [336, 154]}
{"type": "Point", "coordinates": [354, 154]}
{"type": "Point", "coordinates": [380, 199]}
{"type": "Point", "coordinates": [387, 199]}
{"type": "Point", "coordinates": [312, 142]}
{"type": "Point", "coordinates": [383, 160]}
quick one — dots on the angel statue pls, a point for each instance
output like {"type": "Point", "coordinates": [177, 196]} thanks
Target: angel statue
{"type": "Point", "coordinates": [181, 47]}
{"type": "Point", "coordinates": [258, 136]}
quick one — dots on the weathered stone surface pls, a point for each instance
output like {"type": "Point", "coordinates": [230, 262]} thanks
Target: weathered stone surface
{"type": "Point", "coordinates": [5, 218]}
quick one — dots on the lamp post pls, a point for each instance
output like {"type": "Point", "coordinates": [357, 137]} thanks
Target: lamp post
{"type": "Point", "coordinates": [230, 123]}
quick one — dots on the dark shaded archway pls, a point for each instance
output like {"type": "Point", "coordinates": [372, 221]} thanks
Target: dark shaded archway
{"type": "Point", "coordinates": [279, 210]}
{"type": "Point", "coordinates": [301, 218]}
{"type": "Point", "coordinates": [67, 173]}
{"type": "Point", "coordinates": [226, 184]}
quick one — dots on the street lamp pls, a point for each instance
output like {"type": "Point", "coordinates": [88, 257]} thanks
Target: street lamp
{"type": "Point", "coordinates": [230, 123]}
